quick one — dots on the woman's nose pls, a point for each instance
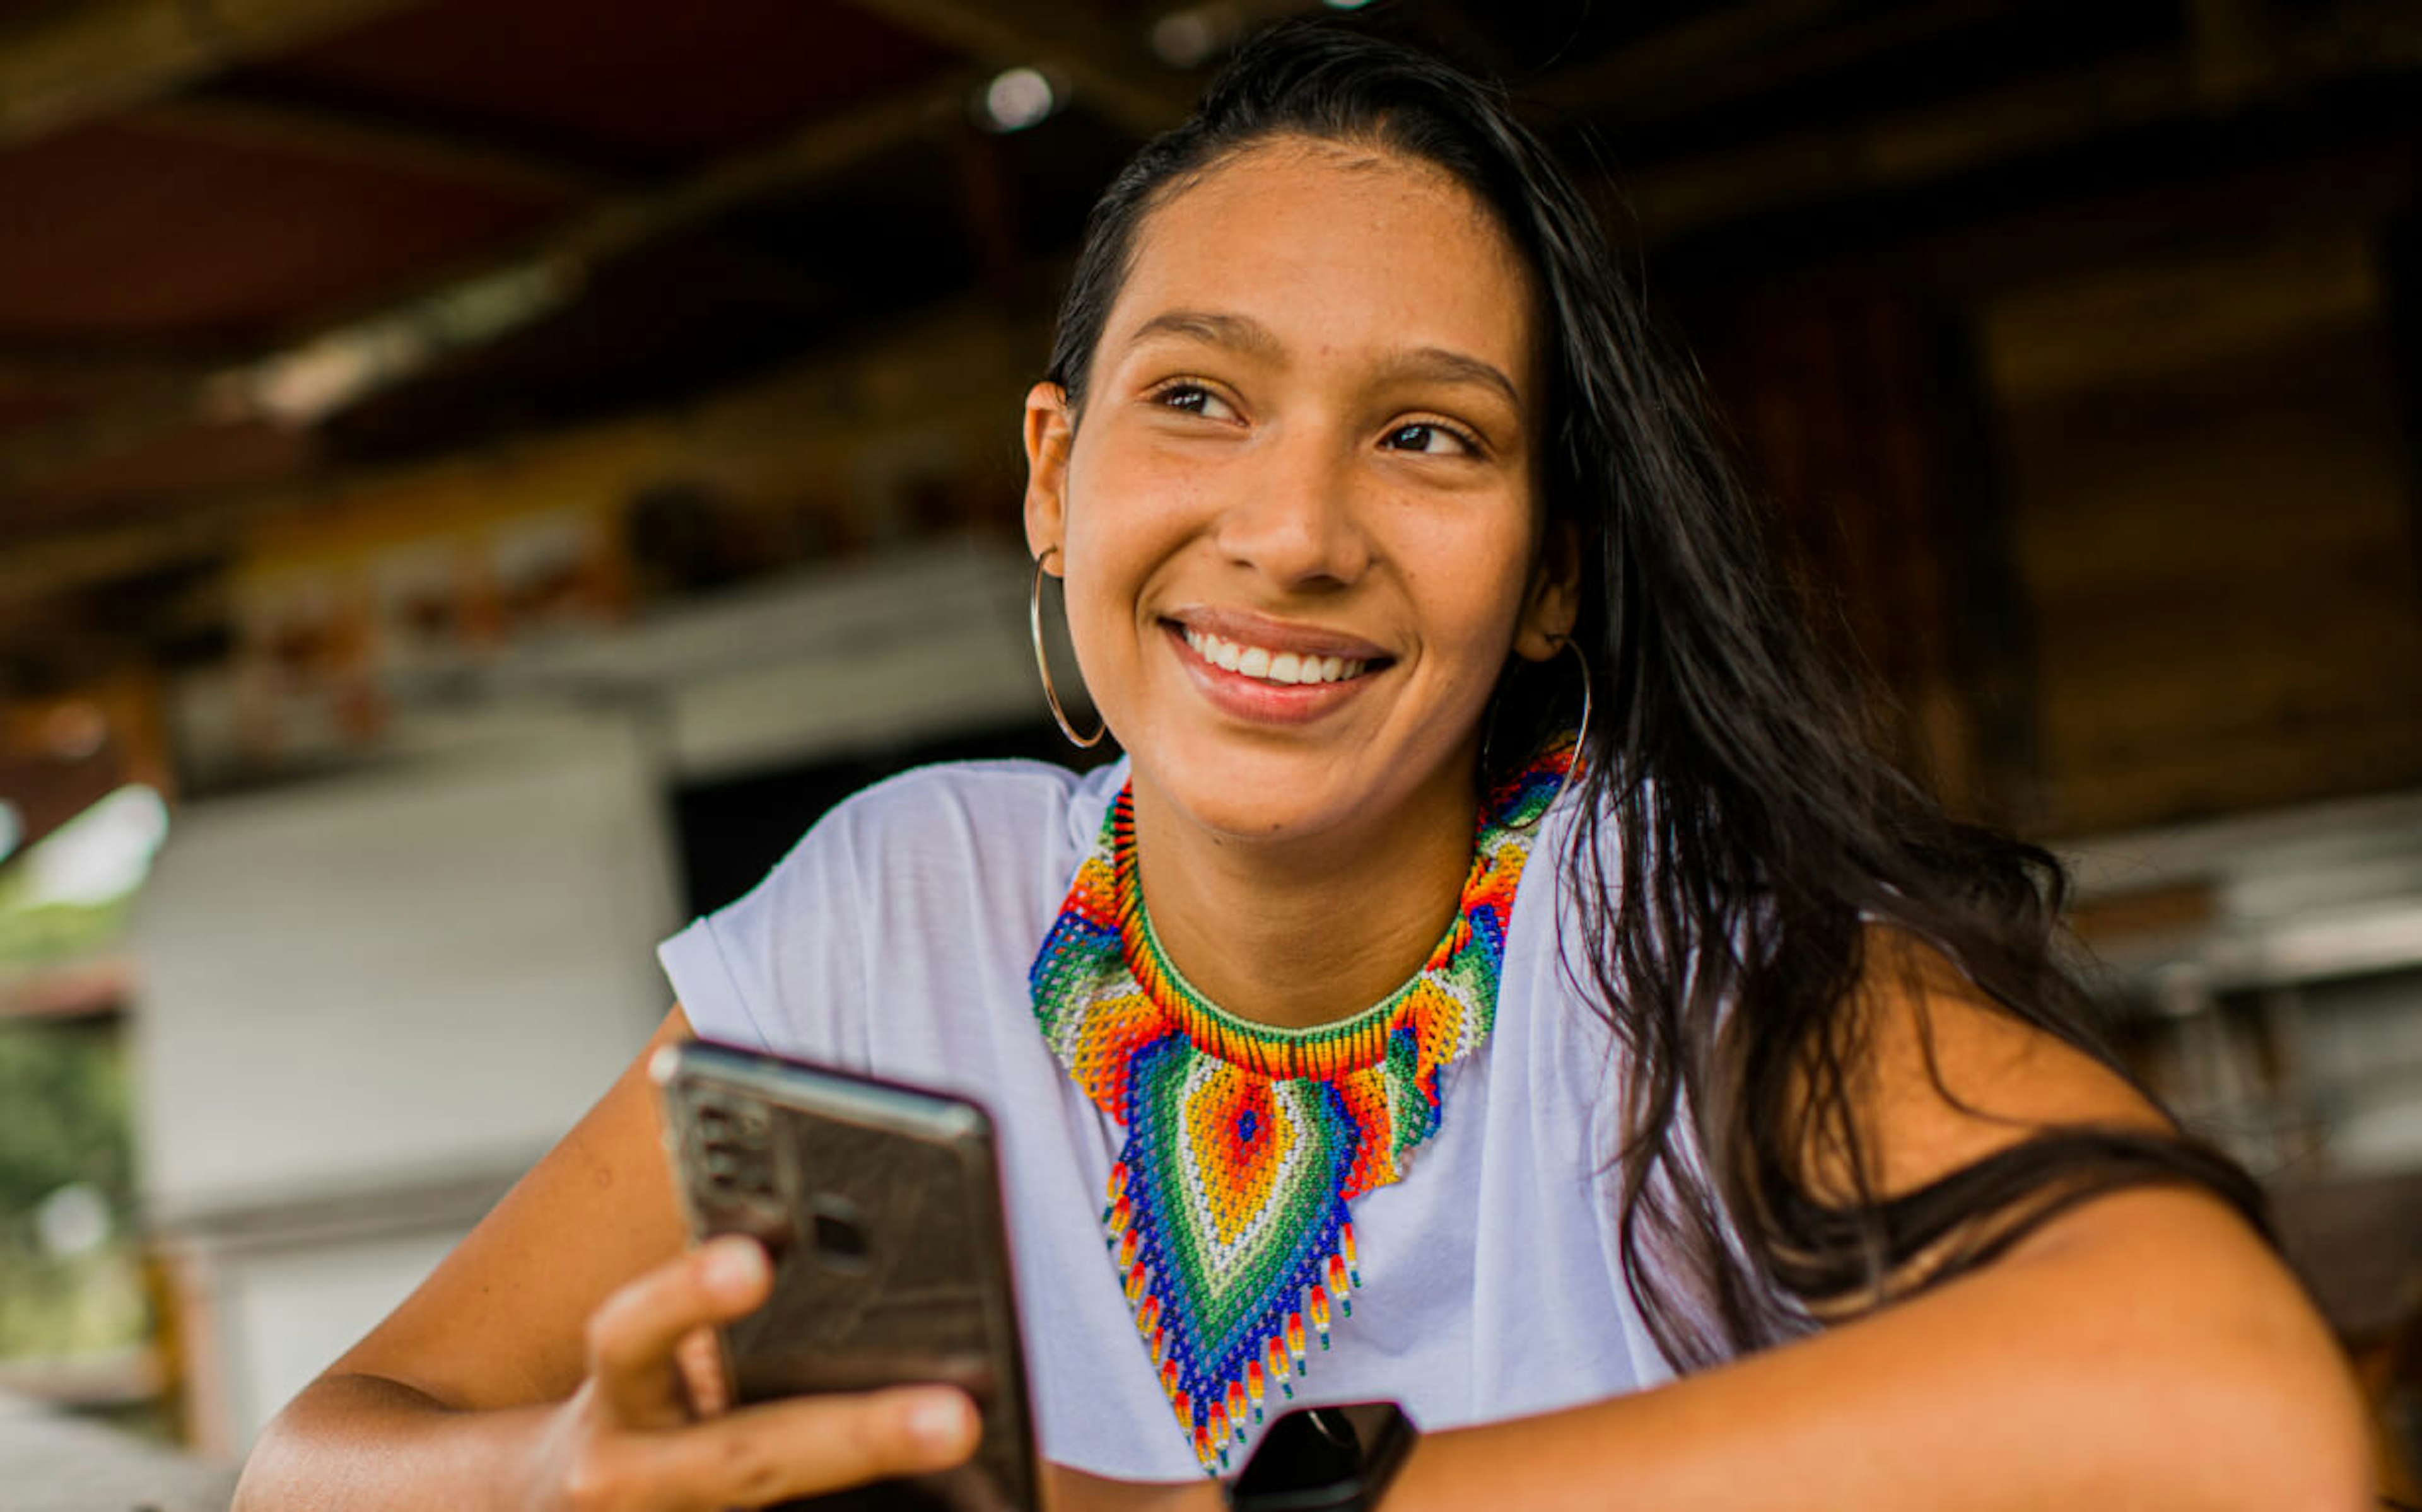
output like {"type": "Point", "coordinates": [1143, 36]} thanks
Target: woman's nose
{"type": "Point", "coordinates": [1299, 518]}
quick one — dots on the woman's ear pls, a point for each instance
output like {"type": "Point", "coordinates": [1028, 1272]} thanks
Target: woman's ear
{"type": "Point", "coordinates": [1049, 429]}
{"type": "Point", "coordinates": [1553, 601]}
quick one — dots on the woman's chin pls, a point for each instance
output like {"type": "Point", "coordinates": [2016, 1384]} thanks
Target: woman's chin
{"type": "Point", "coordinates": [1238, 793]}
{"type": "Point", "coordinates": [1246, 794]}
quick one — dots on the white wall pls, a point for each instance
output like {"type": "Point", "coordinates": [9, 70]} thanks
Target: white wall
{"type": "Point", "coordinates": [415, 973]}
{"type": "Point", "coordinates": [368, 1002]}
{"type": "Point", "coordinates": [283, 1314]}
{"type": "Point", "coordinates": [915, 645]}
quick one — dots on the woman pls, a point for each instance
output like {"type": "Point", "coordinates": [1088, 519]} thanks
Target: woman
{"type": "Point", "coordinates": [1720, 1048]}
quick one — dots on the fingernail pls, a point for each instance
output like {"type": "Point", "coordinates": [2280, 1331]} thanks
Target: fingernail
{"type": "Point", "coordinates": [734, 1264]}
{"type": "Point", "coordinates": [941, 1420]}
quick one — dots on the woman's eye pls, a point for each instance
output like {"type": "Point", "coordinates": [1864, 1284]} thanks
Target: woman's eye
{"type": "Point", "coordinates": [1193, 399]}
{"type": "Point", "coordinates": [1428, 436]}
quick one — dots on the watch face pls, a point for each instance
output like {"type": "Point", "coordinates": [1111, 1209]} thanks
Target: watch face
{"type": "Point", "coordinates": [1320, 1459]}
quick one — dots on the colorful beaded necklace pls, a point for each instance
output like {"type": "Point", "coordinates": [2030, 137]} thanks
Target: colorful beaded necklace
{"type": "Point", "coordinates": [1227, 1214]}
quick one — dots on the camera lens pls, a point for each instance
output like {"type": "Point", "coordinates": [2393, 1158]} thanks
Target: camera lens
{"type": "Point", "coordinates": [838, 1231]}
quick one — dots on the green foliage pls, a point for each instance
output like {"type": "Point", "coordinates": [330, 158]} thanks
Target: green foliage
{"type": "Point", "coordinates": [63, 1120]}
{"type": "Point", "coordinates": [85, 1304]}
{"type": "Point", "coordinates": [41, 934]}
{"type": "Point", "coordinates": [63, 1116]}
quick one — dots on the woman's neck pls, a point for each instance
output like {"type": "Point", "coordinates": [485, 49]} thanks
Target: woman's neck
{"type": "Point", "coordinates": [1306, 931]}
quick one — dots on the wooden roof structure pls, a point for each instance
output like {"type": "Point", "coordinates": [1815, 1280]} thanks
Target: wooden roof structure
{"type": "Point", "coordinates": [249, 246]}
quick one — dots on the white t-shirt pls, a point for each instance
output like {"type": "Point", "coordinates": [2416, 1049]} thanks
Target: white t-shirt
{"type": "Point", "coordinates": [896, 940]}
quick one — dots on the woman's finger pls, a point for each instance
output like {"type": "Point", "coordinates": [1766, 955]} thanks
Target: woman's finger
{"type": "Point", "coordinates": [803, 1446]}
{"type": "Point", "coordinates": [700, 1360]}
{"type": "Point", "coordinates": [632, 1336]}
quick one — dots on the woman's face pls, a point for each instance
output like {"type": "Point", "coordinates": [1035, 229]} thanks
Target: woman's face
{"type": "Point", "coordinates": [1297, 519]}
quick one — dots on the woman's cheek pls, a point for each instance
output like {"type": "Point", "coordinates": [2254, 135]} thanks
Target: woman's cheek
{"type": "Point", "coordinates": [1090, 622]}
{"type": "Point", "coordinates": [1474, 584]}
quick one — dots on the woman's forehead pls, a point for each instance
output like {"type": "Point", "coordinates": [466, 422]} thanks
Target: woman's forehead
{"type": "Point", "coordinates": [1318, 244]}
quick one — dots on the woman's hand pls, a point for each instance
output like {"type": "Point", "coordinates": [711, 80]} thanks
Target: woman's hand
{"type": "Point", "coordinates": [540, 1364]}
{"type": "Point", "coordinates": [643, 1431]}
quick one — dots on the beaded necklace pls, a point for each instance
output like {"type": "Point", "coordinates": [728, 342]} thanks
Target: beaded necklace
{"type": "Point", "coordinates": [1227, 1215]}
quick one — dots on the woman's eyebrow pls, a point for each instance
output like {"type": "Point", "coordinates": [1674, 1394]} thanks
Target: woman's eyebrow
{"type": "Point", "coordinates": [1444, 364]}
{"type": "Point", "coordinates": [1242, 333]}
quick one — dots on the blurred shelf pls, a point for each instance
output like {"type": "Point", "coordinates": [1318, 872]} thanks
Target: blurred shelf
{"type": "Point", "coordinates": [2294, 896]}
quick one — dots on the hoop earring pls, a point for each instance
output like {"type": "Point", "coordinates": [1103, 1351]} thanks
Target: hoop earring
{"type": "Point", "coordinates": [1043, 664]}
{"type": "Point", "coordinates": [1580, 737]}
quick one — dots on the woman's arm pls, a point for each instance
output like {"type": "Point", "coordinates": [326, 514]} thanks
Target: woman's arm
{"type": "Point", "coordinates": [536, 1367]}
{"type": "Point", "coordinates": [2142, 1353]}
{"type": "Point", "coordinates": [2144, 1350]}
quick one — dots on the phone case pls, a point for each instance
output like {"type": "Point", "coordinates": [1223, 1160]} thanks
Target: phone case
{"type": "Point", "coordinates": [880, 1205]}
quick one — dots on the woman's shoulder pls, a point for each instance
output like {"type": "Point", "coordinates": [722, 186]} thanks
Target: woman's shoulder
{"type": "Point", "coordinates": [939, 868]}
{"type": "Point", "coordinates": [998, 836]}
{"type": "Point", "coordinates": [977, 806]}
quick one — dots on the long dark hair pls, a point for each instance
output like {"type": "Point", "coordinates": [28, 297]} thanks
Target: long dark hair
{"type": "Point", "coordinates": [1741, 842]}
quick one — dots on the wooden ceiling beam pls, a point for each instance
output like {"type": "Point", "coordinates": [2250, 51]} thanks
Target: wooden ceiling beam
{"type": "Point", "coordinates": [76, 62]}
{"type": "Point", "coordinates": [354, 138]}
{"type": "Point", "coordinates": [144, 409]}
{"type": "Point", "coordinates": [597, 234]}
{"type": "Point", "coordinates": [116, 53]}
{"type": "Point", "coordinates": [1919, 145]}
{"type": "Point", "coordinates": [50, 566]}
{"type": "Point", "coordinates": [77, 370]}
{"type": "Point", "coordinates": [1804, 56]}
{"type": "Point", "coordinates": [1055, 36]}
{"type": "Point", "coordinates": [1910, 148]}
{"type": "Point", "coordinates": [1672, 56]}
{"type": "Point", "coordinates": [822, 148]}
{"type": "Point", "coordinates": [880, 382]}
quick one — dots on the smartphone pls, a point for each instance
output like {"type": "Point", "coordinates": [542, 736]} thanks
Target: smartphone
{"type": "Point", "coordinates": [881, 1207]}
{"type": "Point", "coordinates": [1325, 1459]}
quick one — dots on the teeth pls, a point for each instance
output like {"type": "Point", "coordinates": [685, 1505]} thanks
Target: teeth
{"type": "Point", "coordinates": [1271, 667]}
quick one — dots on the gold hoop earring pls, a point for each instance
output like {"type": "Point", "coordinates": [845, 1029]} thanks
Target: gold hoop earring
{"type": "Point", "coordinates": [1580, 737]}
{"type": "Point", "coordinates": [1042, 663]}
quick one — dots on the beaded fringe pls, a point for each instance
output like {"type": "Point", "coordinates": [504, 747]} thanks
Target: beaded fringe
{"type": "Point", "coordinates": [1227, 1218]}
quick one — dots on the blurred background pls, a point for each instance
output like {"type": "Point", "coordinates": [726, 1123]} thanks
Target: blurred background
{"type": "Point", "coordinates": [479, 476]}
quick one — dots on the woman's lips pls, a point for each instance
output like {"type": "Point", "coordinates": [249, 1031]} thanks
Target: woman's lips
{"type": "Point", "coordinates": [1246, 629]}
{"type": "Point", "coordinates": [1249, 691]}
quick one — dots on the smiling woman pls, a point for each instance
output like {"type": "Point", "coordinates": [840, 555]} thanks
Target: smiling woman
{"type": "Point", "coordinates": [1538, 1032]}
{"type": "Point", "coordinates": [1299, 439]}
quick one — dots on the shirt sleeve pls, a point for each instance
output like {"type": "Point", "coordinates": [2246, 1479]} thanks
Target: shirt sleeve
{"type": "Point", "coordinates": [783, 968]}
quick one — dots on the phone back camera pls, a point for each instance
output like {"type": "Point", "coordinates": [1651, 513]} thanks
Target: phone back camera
{"type": "Point", "coordinates": [837, 1232]}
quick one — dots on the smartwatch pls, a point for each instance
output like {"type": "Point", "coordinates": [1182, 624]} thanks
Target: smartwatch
{"type": "Point", "coordinates": [1325, 1459]}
